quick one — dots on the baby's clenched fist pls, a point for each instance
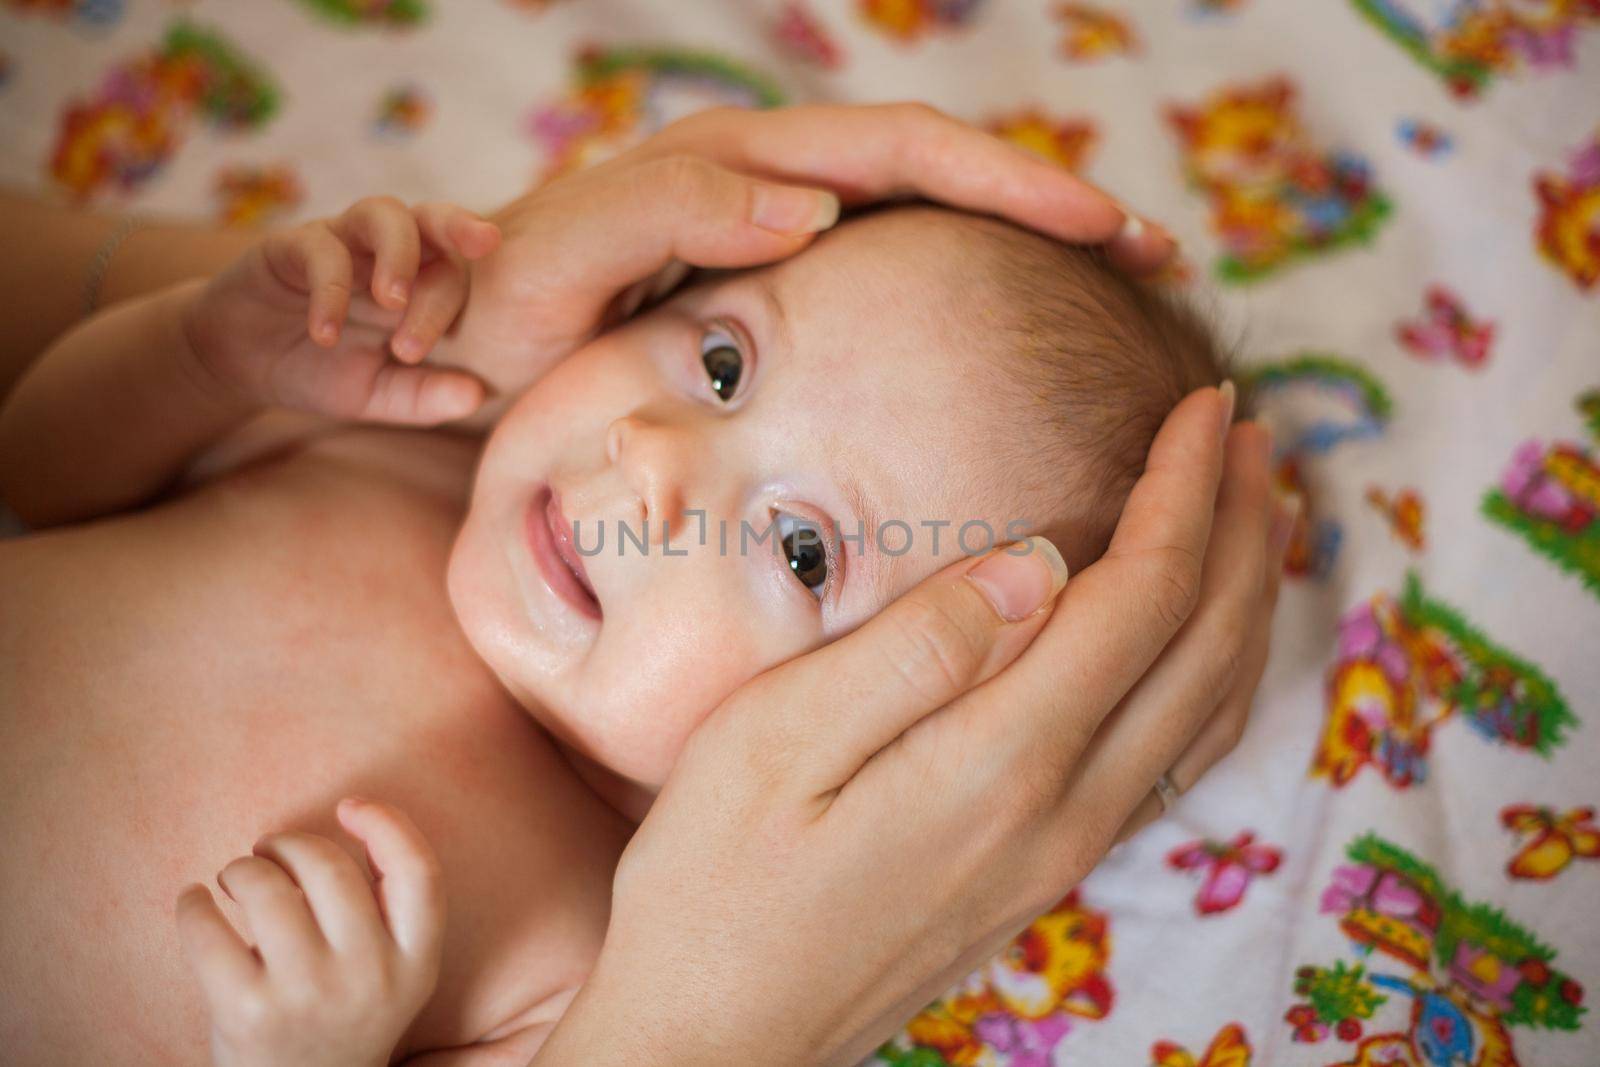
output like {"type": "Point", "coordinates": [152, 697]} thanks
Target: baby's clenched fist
{"type": "Point", "coordinates": [341, 964]}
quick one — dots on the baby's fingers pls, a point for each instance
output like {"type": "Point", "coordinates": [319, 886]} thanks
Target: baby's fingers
{"type": "Point", "coordinates": [384, 228]}
{"type": "Point", "coordinates": [440, 293]}
{"type": "Point", "coordinates": [337, 890]}
{"type": "Point", "coordinates": [279, 918]}
{"type": "Point", "coordinates": [454, 230]}
{"type": "Point", "coordinates": [312, 258]}
{"type": "Point", "coordinates": [409, 887]}
{"type": "Point", "coordinates": [219, 958]}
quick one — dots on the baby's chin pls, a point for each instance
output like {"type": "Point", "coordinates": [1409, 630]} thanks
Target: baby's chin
{"type": "Point", "coordinates": [612, 730]}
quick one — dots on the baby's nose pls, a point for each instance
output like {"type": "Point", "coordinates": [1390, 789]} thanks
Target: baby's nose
{"type": "Point", "coordinates": [654, 462]}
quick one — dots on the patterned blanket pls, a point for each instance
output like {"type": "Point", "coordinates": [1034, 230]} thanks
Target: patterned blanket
{"type": "Point", "coordinates": [1392, 205]}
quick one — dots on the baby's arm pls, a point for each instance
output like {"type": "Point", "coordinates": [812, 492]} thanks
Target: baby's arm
{"type": "Point", "coordinates": [109, 413]}
{"type": "Point", "coordinates": [118, 408]}
{"type": "Point", "coordinates": [340, 966]}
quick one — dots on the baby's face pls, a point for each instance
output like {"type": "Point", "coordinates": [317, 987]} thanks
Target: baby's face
{"type": "Point", "coordinates": [843, 389]}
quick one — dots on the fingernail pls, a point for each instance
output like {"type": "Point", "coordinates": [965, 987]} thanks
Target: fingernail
{"type": "Point", "coordinates": [1020, 580]}
{"type": "Point", "coordinates": [399, 292]}
{"type": "Point", "coordinates": [1283, 520]}
{"type": "Point", "coordinates": [789, 211]}
{"type": "Point", "coordinates": [404, 345]}
{"type": "Point", "coordinates": [1132, 227]}
{"type": "Point", "coordinates": [1229, 396]}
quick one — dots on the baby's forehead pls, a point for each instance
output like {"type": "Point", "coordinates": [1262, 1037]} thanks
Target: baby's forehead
{"type": "Point", "coordinates": [889, 365]}
{"type": "Point", "coordinates": [928, 249]}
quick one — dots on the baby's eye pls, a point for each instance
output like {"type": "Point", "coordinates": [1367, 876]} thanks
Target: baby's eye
{"type": "Point", "coordinates": [805, 550]}
{"type": "Point", "coordinates": [724, 363]}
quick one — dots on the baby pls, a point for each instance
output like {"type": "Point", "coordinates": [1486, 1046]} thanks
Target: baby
{"type": "Point", "coordinates": [739, 474]}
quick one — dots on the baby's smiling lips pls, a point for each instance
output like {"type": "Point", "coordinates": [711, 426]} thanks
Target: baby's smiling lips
{"type": "Point", "coordinates": [550, 535]}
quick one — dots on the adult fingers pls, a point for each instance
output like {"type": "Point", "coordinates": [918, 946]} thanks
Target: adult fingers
{"type": "Point", "coordinates": [383, 227]}
{"type": "Point", "coordinates": [873, 152]}
{"type": "Point", "coordinates": [814, 721]}
{"type": "Point", "coordinates": [410, 889]}
{"type": "Point", "coordinates": [441, 292]}
{"type": "Point", "coordinates": [276, 912]}
{"type": "Point", "coordinates": [1222, 732]}
{"type": "Point", "coordinates": [312, 258]}
{"type": "Point", "coordinates": [1224, 729]}
{"type": "Point", "coordinates": [1115, 617]}
{"type": "Point", "coordinates": [337, 891]}
{"type": "Point", "coordinates": [624, 220]}
{"type": "Point", "coordinates": [453, 230]}
{"type": "Point", "coordinates": [1197, 673]}
{"type": "Point", "coordinates": [220, 959]}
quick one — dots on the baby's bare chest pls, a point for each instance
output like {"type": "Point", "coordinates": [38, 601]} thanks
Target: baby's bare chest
{"type": "Point", "coordinates": [174, 685]}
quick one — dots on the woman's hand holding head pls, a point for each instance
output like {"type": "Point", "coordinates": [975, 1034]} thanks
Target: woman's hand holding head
{"type": "Point", "coordinates": [857, 828]}
{"type": "Point", "coordinates": [730, 187]}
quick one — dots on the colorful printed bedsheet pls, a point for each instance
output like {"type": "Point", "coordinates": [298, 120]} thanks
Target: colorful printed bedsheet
{"type": "Point", "coordinates": [1392, 205]}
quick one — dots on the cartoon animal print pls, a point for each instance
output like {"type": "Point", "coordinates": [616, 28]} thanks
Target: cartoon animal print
{"type": "Point", "coordinates": [1336, 1000]}
{"type": "Point", "coordinates": [140, 113]}
{"type": "Point", "coordinates": [389, 13]}
{"type": "Point", "coordinates": [1403, 511]}
{"type": "Point", "coordinates": [403, 111]}
{"type": "Point", "coordinates": [1550, 495]}
{"type": "Point", "coordinates": [1469, 42]}
{"type": "Point", "coordinates": [1589, 408]}
{"type": "Point", "coordinates": [1406, 665]}
{"type": "Point", "coordinates": [95, 14]}
{"type": "Point", "coordinates": [250, 196]}
{"type": "Point", "coordinates": [1468, 976]}
{"type": "Point", "coordinates": [1568, 232]}
{"type": "Point", "coordinates": [1093, 32]}
{"type": "Point", "coordinates": [1314, 540]}
{"type": "Point", "coordinates": [1349, 385]}
{"type": "Point", "coordinates": [1022, 1002]}
{"type": "Point", "coordinates": [1298, 393]}
{"type": "Point", "coordinates": [1424, 138]}
{"type": "Point", "coordinates": [803, 35]}
{"type": "Point", "coordinates": [1446, 330]}
{"type": "Point", "coordinates": [1065, 141]}
{"type": "Point", "coordinates": [621, 96]}
{"type": "Point", "coordinates": [1230, 1048]}
{"type": "Point", "coordinates": [1553, 840]}
{"type": "Point", "coordinates": [1227, 867]}
{"type": "Point", "coordinates": [910, 20]}
{"type": "Point", "coordinates": [1275, 197]}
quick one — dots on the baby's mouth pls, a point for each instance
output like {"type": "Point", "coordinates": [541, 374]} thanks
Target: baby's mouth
{"type": "Point", "coordinates": [557, 554]}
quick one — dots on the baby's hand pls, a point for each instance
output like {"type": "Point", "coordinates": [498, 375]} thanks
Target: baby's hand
{"type": "Point", "coordinates": [291, 324]}
{"type": "Point", "coordinates": [340, 966]}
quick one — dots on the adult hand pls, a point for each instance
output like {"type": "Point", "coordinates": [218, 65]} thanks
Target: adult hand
{"type": "Point", "coordinates": [731, 187]}
{"type": "Point", "coordinates": [852, 832]}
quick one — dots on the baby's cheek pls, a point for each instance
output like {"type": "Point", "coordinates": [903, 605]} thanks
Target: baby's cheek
{"type": "Point", "coordinates": [660, 683]}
